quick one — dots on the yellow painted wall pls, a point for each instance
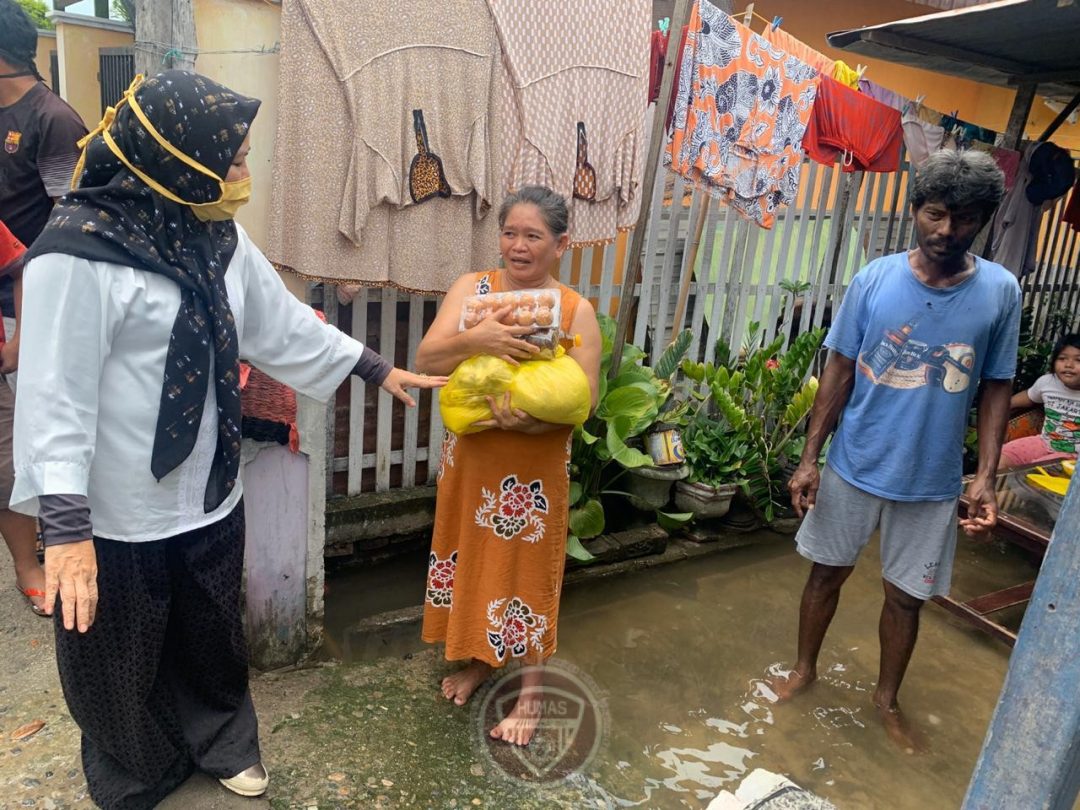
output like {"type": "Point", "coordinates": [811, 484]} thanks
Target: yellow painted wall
{"type": "Point", "coordinates": [46, 44]}
{"type": "Point", "coordinates": [77, 50]}
{"type": "Point", "coordinates": [247, 25]}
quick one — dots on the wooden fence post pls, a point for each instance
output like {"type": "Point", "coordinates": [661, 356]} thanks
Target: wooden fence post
{"type": "Point", "coordinates": [164, 36]}
{"type": "Point", "coordinates": [632, 274]}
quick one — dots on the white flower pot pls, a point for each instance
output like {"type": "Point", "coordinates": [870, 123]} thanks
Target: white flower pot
{"type": "Point", "coordinates": [703, 500]}
{"type": "Point", "coordinates": [650, 487]}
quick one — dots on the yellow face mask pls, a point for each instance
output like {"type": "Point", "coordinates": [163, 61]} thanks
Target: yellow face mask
{"type": "Point", "coordinates": [233, 194]}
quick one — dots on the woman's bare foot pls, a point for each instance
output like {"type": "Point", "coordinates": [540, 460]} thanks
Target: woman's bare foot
{"type": "Point", "coordinates": [460, 686]}
{"type": "Point", "coordinates": [788, 686]}
{"type": "Point", "coordinates": [30, 580]}
{"type": "Point", "coordinates": [900, 731]}
{"type": "Point", "coordinates": [518, 727]}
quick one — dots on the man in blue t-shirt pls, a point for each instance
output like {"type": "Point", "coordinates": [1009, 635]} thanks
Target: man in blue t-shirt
{"type": "Point", "coordinates": [917, 336]}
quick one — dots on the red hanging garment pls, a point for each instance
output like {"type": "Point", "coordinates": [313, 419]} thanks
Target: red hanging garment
{"type": "Point", "coordinates": [657, 53]}
{"type": "Point", "coordinates": [863, 133]}
{"type": "Point", "coordinates": [1071, 214]}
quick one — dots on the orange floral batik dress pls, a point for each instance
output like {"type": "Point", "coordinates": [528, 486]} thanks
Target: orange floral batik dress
{"type": "Point", "coordinates": [499, 545]}
{"type": "Point", "coordinates": [739, 116]}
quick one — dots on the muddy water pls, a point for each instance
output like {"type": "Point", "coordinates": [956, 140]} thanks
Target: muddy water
{"type": "Point", "coordinates": [681, 653]}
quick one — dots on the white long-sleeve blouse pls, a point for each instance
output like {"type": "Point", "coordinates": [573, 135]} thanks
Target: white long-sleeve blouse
{"type": "Point", "coordinates": [94, 337]}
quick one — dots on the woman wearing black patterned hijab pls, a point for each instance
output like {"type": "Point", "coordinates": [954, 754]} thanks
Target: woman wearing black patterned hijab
{"type": "Point", "coordinates": [141, 296]}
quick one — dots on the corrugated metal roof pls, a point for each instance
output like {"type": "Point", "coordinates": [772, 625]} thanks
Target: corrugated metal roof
{"type": "Point", "coordinates": [997, 43]}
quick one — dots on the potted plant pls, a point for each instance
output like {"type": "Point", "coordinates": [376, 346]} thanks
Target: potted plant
{"type": "Point", "coordinates": [761, 398]}
{"type": "Point", "coordinates": [610, 445]}
{"type": "Point", "coordinates": [715, 455]}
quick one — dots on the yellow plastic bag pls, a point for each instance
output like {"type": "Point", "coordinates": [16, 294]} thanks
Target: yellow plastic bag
{"type": "Point", "coordinates": [463, 400]}
{"type": "Point", "coordinates": [555, 391]}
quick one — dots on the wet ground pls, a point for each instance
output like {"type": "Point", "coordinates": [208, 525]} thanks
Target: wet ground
{"type": "Point", "coordinates": [678, 653]}
{"type": "Point", "coordinates": [681, 653]}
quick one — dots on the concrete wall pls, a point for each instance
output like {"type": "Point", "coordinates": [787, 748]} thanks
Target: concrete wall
{"type": "Point", "coordinates": [46, 44]}
{"type": "Point", "coordinates": [249, 26]}
{"type": "Point", "coordinates": [78, 40]}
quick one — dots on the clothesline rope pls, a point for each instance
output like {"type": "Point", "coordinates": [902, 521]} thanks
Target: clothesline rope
{"type": "Point", "coordinates": [739, 17]}
{"type": "Point", "coordinates": [150, 46]}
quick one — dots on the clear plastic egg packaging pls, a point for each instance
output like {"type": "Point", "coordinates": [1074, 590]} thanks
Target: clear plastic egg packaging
{"type": "Point", "coordinates": [538, 309]}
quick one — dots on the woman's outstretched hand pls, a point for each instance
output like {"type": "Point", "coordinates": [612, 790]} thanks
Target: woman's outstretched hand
{"type": "Point", "coordinates": [399, 379]}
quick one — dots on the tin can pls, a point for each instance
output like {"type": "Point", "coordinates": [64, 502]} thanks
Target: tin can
{"type": "Point", "coordinates": [665, 447]}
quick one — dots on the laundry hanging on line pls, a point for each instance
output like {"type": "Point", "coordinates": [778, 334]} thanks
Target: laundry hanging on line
{"type": "Point", "coordinates": [739, 116]}
{"type": "Point", "coordinates": [377, 193]}
{"type": "Point", "coordinates": [568, 106]}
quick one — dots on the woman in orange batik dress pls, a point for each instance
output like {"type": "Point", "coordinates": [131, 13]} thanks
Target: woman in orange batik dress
{"type": "Point", "coordinates": [498, 550]}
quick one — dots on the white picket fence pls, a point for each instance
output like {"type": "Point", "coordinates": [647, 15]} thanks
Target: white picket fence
{"type": "Point", "coordinates": [839, 222]}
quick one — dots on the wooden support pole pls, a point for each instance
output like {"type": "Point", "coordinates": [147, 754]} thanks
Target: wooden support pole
{"type": "Point", "coordinates": [164, 36]}
{"type": "Point", "coordinates": [1061, 116]}
{"type": "Point", "coordinates": [1031, 755]}
{"type": "Point", "coordinates": [632, 273]}
{"type": "Point", "coordinates": [1018, 118]}
{"type": "Point", "coordinates": [690, 259]}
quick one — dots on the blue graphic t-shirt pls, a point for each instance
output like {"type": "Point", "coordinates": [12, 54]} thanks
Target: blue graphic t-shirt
{"type": "Point", "coordinates": [920, 353]}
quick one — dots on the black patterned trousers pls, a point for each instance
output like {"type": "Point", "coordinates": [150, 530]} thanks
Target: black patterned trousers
{"type": "Point", "coordinates": [159, 684]}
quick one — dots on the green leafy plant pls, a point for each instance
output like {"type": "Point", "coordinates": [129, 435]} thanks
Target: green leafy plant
{"type": "Point", "coordinates": [795, 288]}
{"type": "Point", "coordinates": [628, 405]}
{"type": "Point", "coordinates": [124, 10]}
{"type": "Point", "coordinates": [37, 11]}
{"type": "Point", "coordinates": [761, 398]}
{"type": "Point", "coordinates": [717, 455]}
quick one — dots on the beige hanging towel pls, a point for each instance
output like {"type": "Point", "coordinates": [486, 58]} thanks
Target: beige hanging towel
{"type": "Point", "coordinates": [577, 74]}
{"type": "Point", "coordinates": [389, 119]}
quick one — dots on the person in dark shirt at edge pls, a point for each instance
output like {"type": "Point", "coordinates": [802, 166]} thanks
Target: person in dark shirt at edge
{"type": "Point", "coordinates": [40, 134]}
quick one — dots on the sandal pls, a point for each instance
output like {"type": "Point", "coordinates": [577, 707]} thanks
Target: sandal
{"type": "Point", "coordinates": [29, 594]}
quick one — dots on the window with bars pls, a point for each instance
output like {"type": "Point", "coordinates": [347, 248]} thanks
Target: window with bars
{"type": "Point", "coordinates": [115, 74]}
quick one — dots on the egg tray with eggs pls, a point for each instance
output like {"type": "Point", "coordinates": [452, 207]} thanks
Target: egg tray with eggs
{"type": "Point", "coordinates": [538, 309]}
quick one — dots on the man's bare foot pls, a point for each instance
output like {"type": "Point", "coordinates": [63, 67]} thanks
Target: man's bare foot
{"type": "Point", "coordinates": [518, 727]}
{"type": "Point", "coordinates": [788, 686]}
{"type": "Point", "coordinates": [460, 686]}
{"type": "Point", "coordinates": [900, 731]}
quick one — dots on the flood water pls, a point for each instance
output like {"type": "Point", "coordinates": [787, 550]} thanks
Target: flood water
{"type": "Point", "coordinates": [681, 652]}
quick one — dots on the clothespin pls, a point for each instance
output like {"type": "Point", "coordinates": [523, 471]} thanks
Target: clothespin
{"type": "Point", "coordinates": [860, 70]}
{"type": "Point", "coordinates": [777, 21]}
{"type": "Point", "coordinates": [664, 24]}
{"type": "Point", "coordinates": [748, 15]}
{"type": "Point", "coordinates": [919, 99]}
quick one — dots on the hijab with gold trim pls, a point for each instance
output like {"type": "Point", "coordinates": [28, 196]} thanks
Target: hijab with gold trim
{"type": "Point", "coordinates": [177, 139]}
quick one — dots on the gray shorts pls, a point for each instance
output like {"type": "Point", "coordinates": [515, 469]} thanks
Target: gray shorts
{"type": "Point", "coordinates": [918, 538]}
